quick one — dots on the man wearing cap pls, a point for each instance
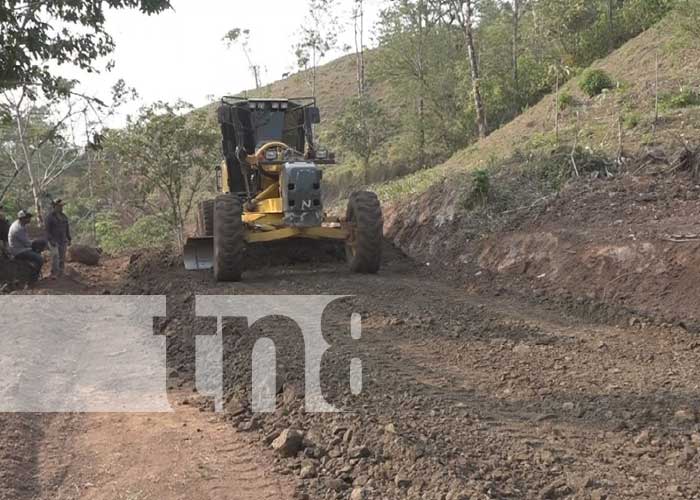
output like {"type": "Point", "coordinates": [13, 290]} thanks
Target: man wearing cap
{"type": "Point", "coordinates": [20, 245]}
{"type": "Point", "coordinates": [58, 234]}
{"type": "Point", "coordinates": [4, 228]}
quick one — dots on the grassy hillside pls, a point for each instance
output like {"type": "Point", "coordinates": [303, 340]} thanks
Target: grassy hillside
{"type": "Point", "coordinates": [620, 238]}
{"type": "Point", "coordinates": [592, 123]}
{"type": "Point", "coordinates": [336, 83]}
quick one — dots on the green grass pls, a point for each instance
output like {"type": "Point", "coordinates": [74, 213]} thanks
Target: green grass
{"type": "Point", "coordinates": [631, 120]}
{"type": "Point", "coordinates": [685, 98]}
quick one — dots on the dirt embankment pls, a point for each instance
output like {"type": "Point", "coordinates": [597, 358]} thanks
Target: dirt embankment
{"type": "Point", "coordinates": [622, 247]}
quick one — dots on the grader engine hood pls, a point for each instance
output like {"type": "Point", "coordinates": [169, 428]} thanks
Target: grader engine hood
{"type": "Point", "coordinates": [300, 185]}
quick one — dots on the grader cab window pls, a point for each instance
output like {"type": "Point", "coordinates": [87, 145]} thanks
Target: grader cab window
{"type": "Point", "coordinates": [266, 121]}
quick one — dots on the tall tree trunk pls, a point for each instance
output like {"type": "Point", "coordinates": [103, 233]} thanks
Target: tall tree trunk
{"type": "Point", "coordinates": [256, 70]}
{"type": "Point", "coordinates": [422, 27]}
{"type": "Point", "coordinates": [474, 65]}
{"type": "Point", "coordinates": [515, 48]}
{"type": "Point", "coordinates": [313, 72]}
{"type": "Point", "coordinates": [27, 158]}
{"type": "Point", "coordinates": [421, 131]}
{"type": "Point", "coordinates": [359, 25]}
{"type": "Point", "coordinates": [611, 25]}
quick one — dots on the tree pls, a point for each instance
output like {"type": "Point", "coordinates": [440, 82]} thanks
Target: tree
{"type": "Point", "coordinates": [464, 13]}
{"type": "Point", "coordinates": [517, 9]}
{"type": "Point", "coordinates": [417, 58]}
{"type": "Point", "coordinates": [43, 138]}
{"type": "Point", "coordinates": [688, 15]}
{"type": "Point", "coordinates": [570, 25]}
{"type": "Point", "coordinates": [361, 129]}
{"type": "Point", "coordinates": [35, 36]}
{"type": "Point", "coordinates": [242, 36]}
{"type": "Point", "coordinates": [358, 16]}
{"type": "Point", "coordinates": [168, 155]}
{"type": "Point", "coordinates": [319, 34]}
{"type": "Point", "coordinates": [37, 139]}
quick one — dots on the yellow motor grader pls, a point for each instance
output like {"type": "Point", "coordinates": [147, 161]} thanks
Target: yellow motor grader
{"type": "Point", "coordinates": [270, 185]}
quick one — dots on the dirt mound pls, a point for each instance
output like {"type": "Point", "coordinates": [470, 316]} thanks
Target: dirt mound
{"type": "Point", "coordinates": [624, 245]}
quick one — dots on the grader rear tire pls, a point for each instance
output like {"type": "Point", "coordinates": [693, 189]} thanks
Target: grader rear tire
{"type": "Point", "coordinates": [364, 247]}
{"type": "Point", "coordinates": [229, 238]}
{"type": "Point", "coordinates": [206, 218]}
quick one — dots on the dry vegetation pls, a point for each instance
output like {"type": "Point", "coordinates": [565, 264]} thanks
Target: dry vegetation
{"type": "Point", "coordinates": [595, 123]}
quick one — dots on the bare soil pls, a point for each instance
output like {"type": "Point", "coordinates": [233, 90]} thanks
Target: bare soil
{"type": "Point", "coordinates": [471, 389]}
{"type": "Point", "coordinates": [187, 454]}
{"type": "Point", "coordinates": [465, 395]}
{"type": "Point", "coordinates": [623, 249]}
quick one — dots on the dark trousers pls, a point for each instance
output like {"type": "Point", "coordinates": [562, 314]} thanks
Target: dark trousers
{"type": "Point", "coordinates": [58, 259]}
{"type": "Point", "coordinates": [35, 259]}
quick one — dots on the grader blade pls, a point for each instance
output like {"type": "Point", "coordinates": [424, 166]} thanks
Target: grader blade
{"type": "Point", "coordinates": [199, 254]}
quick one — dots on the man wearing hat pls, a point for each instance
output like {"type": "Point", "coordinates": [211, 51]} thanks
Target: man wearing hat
{"type": "Point", "coordinates": [4, 227]}
{"type": "Point", "coordinates": [20, 246]}
{"type": "Point", "coordinates": [58, 234]}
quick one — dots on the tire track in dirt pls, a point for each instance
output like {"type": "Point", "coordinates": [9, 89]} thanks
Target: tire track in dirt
{"type": "Point", "coordinates": [178, 456]}
{"type": "Point", "coordinates": [467, 396]}
{"type": "Point", "coordinates": [185, 455]}
{"type": "Point", "coordinates": [525, 395]}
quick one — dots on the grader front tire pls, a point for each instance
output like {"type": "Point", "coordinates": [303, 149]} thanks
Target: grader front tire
{"type": "Point", "coordinates": [229, 238]}
{"type": "Point", "coordinates": [366, 222]}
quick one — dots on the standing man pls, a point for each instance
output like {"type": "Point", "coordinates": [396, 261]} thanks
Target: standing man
{"type": "Point", "coordinates": [58, 234]}
{"type": "Point", "coordinates": [21, 246]}
{"type": "Point", "coordinates": [4, 228]}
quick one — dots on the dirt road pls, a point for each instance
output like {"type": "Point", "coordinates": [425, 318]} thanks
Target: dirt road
{"type": "Point", "coordinates": [184, 455]}
{"type": "Point", "coordinates": [465, 396]}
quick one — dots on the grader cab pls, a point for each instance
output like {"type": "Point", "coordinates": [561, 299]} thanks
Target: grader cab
{"type": "Point", "coordinates": [271, 185]}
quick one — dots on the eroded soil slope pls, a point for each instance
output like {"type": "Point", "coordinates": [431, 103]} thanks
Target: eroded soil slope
{"type": "Point", "coordinates": [627, 246]}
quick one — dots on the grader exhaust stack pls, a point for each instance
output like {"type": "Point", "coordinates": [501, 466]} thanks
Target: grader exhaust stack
{"type": "Point", "coordinates": [270, 185]}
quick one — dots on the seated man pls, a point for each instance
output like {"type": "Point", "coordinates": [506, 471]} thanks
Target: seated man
{"type": "Point", "coordinates": [20, 245]}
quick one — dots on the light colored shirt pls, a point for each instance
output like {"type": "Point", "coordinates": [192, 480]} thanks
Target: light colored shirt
{"type": "Point", "coordinates": [18, 239]}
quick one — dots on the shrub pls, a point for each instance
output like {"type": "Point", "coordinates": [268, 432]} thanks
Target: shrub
{"type": "Point", "coordinates": [631, 120]}
{"type": "Point", "coordinates": [594, 81]}
{"type": "Point", "coordinates": [554, 169]}
{"type": "Point", "coordinates": [148, 232]}
{"type": "Point", "coordinates": [541, 140]}
{"type": "Point", "coordinates": [481, 188]}
{"type": "Point", "coordinates": [683, 99]}
{"type": "Point", "coordinates": [566, 100]}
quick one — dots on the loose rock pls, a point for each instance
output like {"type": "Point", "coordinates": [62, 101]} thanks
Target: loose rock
{"type": "Point", "coordinates": [402, 481]}
{"type": "Point", "coordinates": [84, 254]}
{"type": "Point", "coordinates": [289, 442]}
